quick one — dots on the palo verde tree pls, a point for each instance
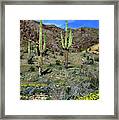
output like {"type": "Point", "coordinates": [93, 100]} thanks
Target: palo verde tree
{"type": "Point", "coordinates": [66, 43]}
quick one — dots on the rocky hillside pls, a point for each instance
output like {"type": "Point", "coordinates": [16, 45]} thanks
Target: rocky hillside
{"type": "Point", "coordinates": [83, 38]}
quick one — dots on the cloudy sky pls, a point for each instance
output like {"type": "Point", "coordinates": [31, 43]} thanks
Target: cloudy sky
{"type": "Point", "coordinates": [73, 23]}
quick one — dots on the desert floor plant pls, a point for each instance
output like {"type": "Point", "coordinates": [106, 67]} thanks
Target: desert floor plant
{"type": "Point", "coordinates": [66, 43]}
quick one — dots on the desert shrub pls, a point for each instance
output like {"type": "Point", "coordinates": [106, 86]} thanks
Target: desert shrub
{"type": "Point", "coordinates": [89, 49]}
{"type": "Point", "coordinates": [24, 68]}
{"type": "Point", "coordinates": [84, 55]}
{"type": "Point", "coordinates": [61, 53]}
{"type": "Point", "coordinates": [30, 61]}
{"type": "Point", "coordinates": [57, 62]}
{"type": "Point", "coordinates": [32, 69]}
{"type": "Point", "coordinates": [91, 96]}
{"type": "Point", "coordinates": [87, 57]}
{"type": "Point", "coordinates": [96, 59]}
{"type": "Point", "coordinates": [91, 61]}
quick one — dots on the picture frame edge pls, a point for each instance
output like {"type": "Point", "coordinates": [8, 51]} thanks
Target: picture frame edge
{"type": "Point", "coordinates": [2, 66]}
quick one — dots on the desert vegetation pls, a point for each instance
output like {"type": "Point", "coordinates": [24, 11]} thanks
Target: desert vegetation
{"type": "Point", "coordinates": [58, 64]}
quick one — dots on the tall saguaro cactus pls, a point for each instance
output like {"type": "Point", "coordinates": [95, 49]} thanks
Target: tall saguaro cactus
{"type": "Point", "coordinates": [66, 43]}
{"type": "Point", "coordinates": [42, 47]}
{"type": "Point", "coordinates": [29, 52]}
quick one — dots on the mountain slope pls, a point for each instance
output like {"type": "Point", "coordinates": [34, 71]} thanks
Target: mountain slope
{"type": "Point", "coordinates": [83, 38]}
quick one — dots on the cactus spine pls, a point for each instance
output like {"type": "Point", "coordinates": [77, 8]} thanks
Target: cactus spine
{"type": "Point", "coordinates": [42, 47]}
{"type": "Point", "coordinates": [66, 43]}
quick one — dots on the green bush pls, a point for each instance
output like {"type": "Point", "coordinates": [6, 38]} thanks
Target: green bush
{"type": "Point", "coordinates": [91, 96]}
{"type": "Point", "coordinates": [96, 59]}
{"type": "Point", "coordinates": [57, 62]}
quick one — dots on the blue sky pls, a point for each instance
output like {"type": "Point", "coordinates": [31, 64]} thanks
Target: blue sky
{"type": "Point", "coordinates": [73, 23]}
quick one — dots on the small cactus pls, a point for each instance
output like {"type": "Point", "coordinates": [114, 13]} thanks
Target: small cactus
{"type": "Point", "coordinates": [66, 43]}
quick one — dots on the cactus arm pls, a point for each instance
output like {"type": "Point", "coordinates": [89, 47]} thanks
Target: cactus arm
{"type": "Point", "coordinates": [40, 36]}
{"type": "Point", "coordinates": [44, 45]}
{"type": "Point", "coordinates": [70, 39]}
{"type": "Point", "coordinates": [62, 40]}
{"type": "Point", "coordinates": [66, 34]}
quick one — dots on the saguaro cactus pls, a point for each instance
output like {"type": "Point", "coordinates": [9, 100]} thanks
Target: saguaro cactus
{"type": "Point", "coordinates": [66, 43]}
{"type": "Point", "coordinates": [29, 53]}
{"type": "Point", "coordinates": [42, 47]}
